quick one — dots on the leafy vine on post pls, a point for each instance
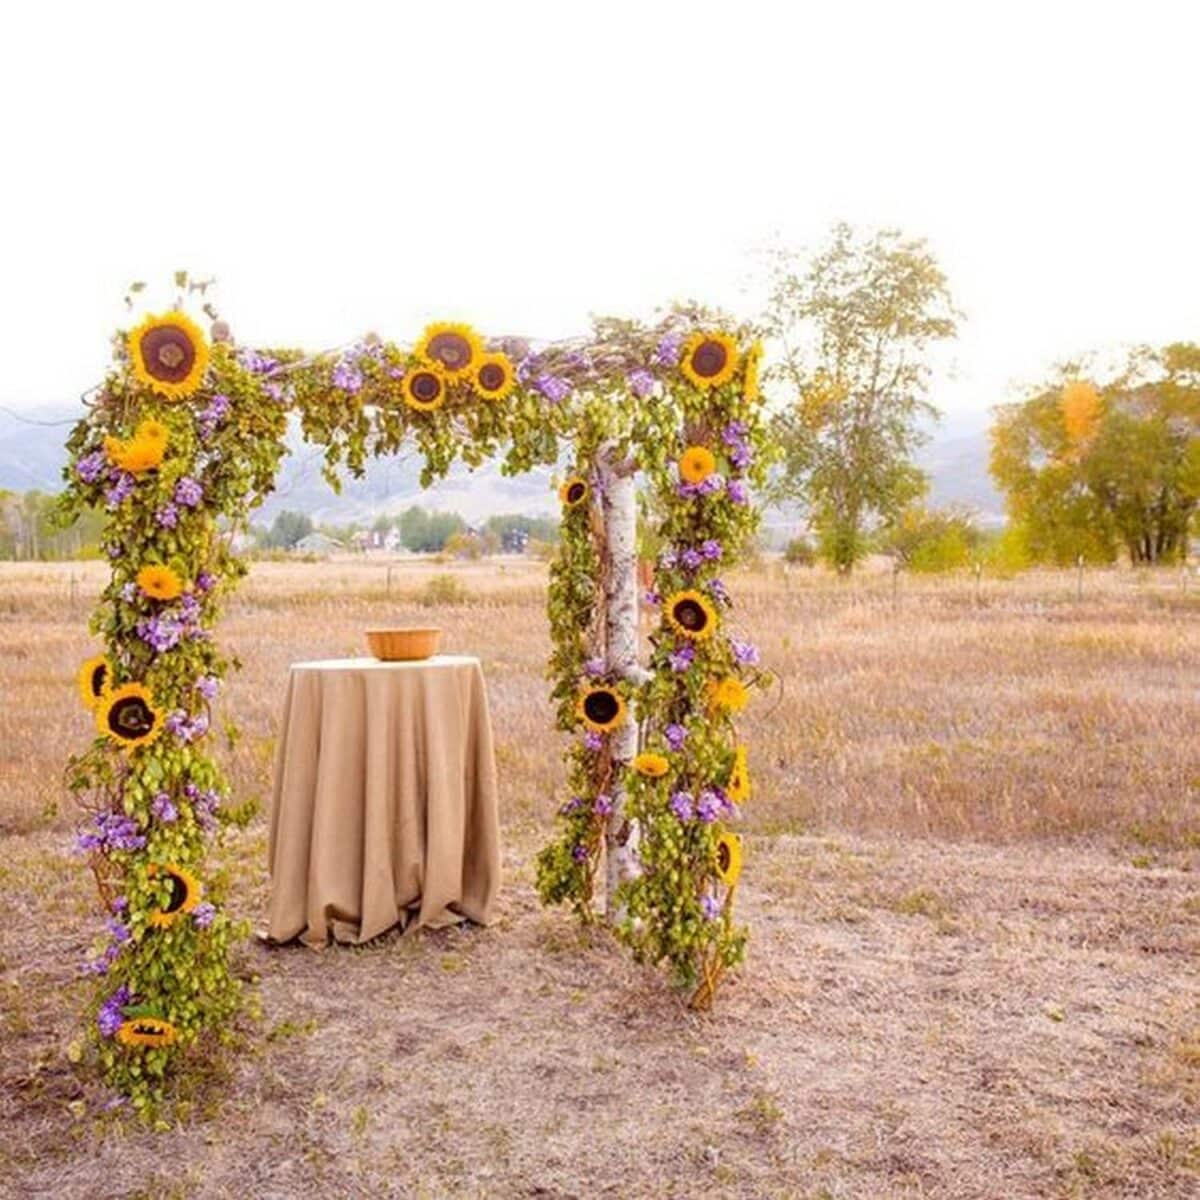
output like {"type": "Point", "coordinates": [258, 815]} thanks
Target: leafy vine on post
{"type": "Point", "coordinates": [181, 442]}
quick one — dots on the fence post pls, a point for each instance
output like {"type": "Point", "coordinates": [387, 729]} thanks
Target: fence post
{"type": "Point", "coordinates": [978, 583]}
{"type": "Point", "coordinates": [1079, 577]}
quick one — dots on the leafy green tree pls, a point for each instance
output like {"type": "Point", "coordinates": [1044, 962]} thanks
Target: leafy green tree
{"type": "Point", "coordinates": [1089, 470]}
{"type": "Point", "coordinates": [854, 328]}
{"type": "Point", "coordinates": [931, 539]}
{"type": "Point", "coordinates": [287, 529]}
{"type": "Point", "coordinates": [425, 532]}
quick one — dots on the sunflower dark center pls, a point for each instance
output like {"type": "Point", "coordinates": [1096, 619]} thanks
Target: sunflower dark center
{"type": "Point", "coordinates": [491, 376]}
{"type": "Point", "coordinates": [724, 858]}
{"type": "Point", "coordinates": [178, 894]}
{"type": "Point", "coordinates": [98, 676]}
{"type": "Point", "coordinates": [426, 386]}
{"type": "Point", "coordinates": [709, 359]}
{"type": "Point", "coordinates": [601, 707]}
{"type": "Point", "coordinates": [690, 615]}
{"type": "Point", "coordinates": [130, 717]}
{"type": "Point", "coordinates": [575, 492]}
{"type": "Point", "coordinates": [168, 353]}
{"type": "Point", "coordinates": [451, 349]}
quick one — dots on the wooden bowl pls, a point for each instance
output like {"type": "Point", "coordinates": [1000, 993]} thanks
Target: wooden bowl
{"type": "Point", "coordinates": [403, 645]}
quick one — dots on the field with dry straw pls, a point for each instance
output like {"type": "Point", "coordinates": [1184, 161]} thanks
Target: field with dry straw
{"type": "Point", "coordinates": [970, 880]}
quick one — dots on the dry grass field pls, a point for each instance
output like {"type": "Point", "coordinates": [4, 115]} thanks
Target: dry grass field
{"type": "Point", "coordinates": [971, 881]}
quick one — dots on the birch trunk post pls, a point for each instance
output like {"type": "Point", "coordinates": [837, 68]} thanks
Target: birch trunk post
{"type": "Point", "coordinates": [618, 505]}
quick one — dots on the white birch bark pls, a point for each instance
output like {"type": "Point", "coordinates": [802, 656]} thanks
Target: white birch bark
{"type": "Point", "coordinates": [618, 504]}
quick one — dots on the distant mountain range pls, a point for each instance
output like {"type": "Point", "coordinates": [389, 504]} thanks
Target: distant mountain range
{"type": "Point", "coordinates": [32, 456]}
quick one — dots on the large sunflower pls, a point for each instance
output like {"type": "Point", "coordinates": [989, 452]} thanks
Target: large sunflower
{"type": "Point", "coordinates": [494, 377]}
{"type": "Point", "coordinates": [146, 1031]}
{"type": "Point", "coordinates": [729, 858]}
{"type": "Point", "coordinates": [160, 583]}
{"type": "Point", "coordinates": [425, 387]}
{"type": "Point", "coordinates": [94, 679]}
{"type": "Point", "coordinates": [750, 383]}
{"type": "Point", "coordinates": [151, 430]}
{"type": "Point", "coordinates": [169, 354]}
{"type": "Point", "coordinates": [651, 764]}
{"type": "Point", "coordinates": [690, 614]}
{"type": "Point", "coordinates": [729, 693]}
{"type": "Point", "coordinates": [601, 708]}
{"type": "Point", "coordinates": [573, 492]}
{"type": "Point", "coordinates": [128, 716]}
{"type": "Point", "coordinates": [455, 348]}
{"type": "Point", "coordinates": [136, 455]}
{"type": "Point", "coordinates": [709, 359]}
{"type": "Point", "coordinates": [738, 787]}
{"type": "Point", "coordinates": [186, 893]}
{"type": "Point", "coordinates": [696, 464]}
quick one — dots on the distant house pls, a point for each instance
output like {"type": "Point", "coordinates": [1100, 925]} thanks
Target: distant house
{"type": "Point", "coordinates": [316, 543]}
{"type": "Point", "coordinates": [514, 541]}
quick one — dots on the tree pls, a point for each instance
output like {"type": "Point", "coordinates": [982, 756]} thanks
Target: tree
{"type": "Point", "coordinates": [287, 529]}
{"type": "Point", "coordinates": [931, 539]}
{"type": "Point", "coordinates": [854, 328]}
{"type": "Point", "coordinates": [425, 532]}
{"type": "Point", "coordinates": [1089, 470]}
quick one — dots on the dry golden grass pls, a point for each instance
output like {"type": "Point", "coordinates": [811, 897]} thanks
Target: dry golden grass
{"type": "Point", "coordinates": [975, 924]}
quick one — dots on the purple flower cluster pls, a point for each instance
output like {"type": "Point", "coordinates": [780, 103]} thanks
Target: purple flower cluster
{"type": "Point", "coordinates": [719, 592]}
{"type": "Point", "coordinates": [91, 466]}
{"type": "Point", "coordinates": [734, 437]}
{"type": "Point", "coordinates": [208, 686]}
{"type": "Point", "coordinates": [571, 806]}
{"type": "Point", "coordinates": [214, 415]}
{"type": "Point", "coordinates": [118, 935]}
{"type": "Point", "coordinates": [111, 831]}
{"type": "Point", "coordinates": [161, 633]}
{"type": "Point", "coordinates": [205, 581]}
{"type": "Point", "coordinates": [204, 914]}
{"type": "Point", "coordinates": [745, 653]}
{"type": "Point", "coordinates": [710, 907]}
{"type": "Point", "coordinates": [603, 805]}
{"type": "Point", "coordinates": [347, 376]}
{"type": "Point", "coordinates": [110, 1017]}
{"type": "Point", "coordinates": [676, 735]}
{"type": "Point", "coordinates": [257, 364]}
{"type": "Point", "coordinates": [668, 350]}
{"type": "Point", "coordinates": [683, 806]}
{"type": "Point", "coordinates": [594, 667]}
{"type": "Point", "coordinates": [204, 805]}
{"type": "Point", "coordinates": [641, 382]}
{"type": "Point", "coordinates": [185, 728]}
{"type": "Point", "coordinates": [279, 393]}
{"type": "Point", "coordinates": [737, 492]}
{"type": "Point", "coordinates": [168, 516]}
{"type": "Point", "coordinates": [579, 853]}
{"type": "Point", "coordinates": [694, 557]}
{"type": "Point", "coordinates": [593, 741]}
{"type": "Point", "coordinates": [164, 809]}
{"type": "Point", "coordinates": [706, 487]}
{"type": "Point", "coordinates": [682, 657]}
{"type": "Point", "coordinates": [710, 805]}
{"type": "Point", "coordinates": [189, 492]}
{"type": "Point", "coordinates": [652, 598]}
{"type": "Point", "coordinates": [554, 387]}
{"type": "Point", "coordinates": [120, 491]}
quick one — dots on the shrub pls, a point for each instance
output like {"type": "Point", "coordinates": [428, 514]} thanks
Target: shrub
{"type": "Point", "coordinates": [800, 552]}
{"type": "Point", "coordinates": [442, 590]}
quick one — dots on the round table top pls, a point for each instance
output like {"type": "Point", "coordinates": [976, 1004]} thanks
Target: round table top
{"type": "Point", "coordinates": [375, 664]}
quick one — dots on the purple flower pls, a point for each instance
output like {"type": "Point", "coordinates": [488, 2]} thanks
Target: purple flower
{"type": "Point", "coordinates": [641, 382]}
{"type": "Point", "coordinates": [110, 831]}
{"type": "Point", "coordinates": [593, 741]}
{"type": "Point", "coordinates": [668, 350]}
{"type": "Point", "coordinates": [710, 907]}
{"type": "Point", "coordinates": [709, 806]}
{"type": "Point", "coordinates": [579, 853]}
{"type": "Point", "coordinates": [745, 653]}
{"type": "Point", "coordinates": [681, 805]}
{"type": "Point", "coordinates": [205, 581]}
{"type": "Point", "coordinates": [91, 467]}
{"type": "Point", "coordinates": [682, 657]}
{"type": "Point", "coordinates": [167, 516]}
{"type": "Point", "coordinates": [118, 930]}
{"type": "Point", "coordinates": [257, 364]}
{"type": "Point", "coordinates": [573, 805]}
{"type": "Point", "coordinates": [218, 408]}
{"type": "Point", "coordinates": [652, 598]}
{"type": "Point", "coordinates": [189, 608]}
{"type": "Point", "coordinates": [676, 735]}
{"type": "Point", "coordinates": [710, 548]}
{"type": "Point", "coordinates": [163, 809]}
{"type": "Point", "coordinates": [204, 913]}
{"type": "Point", "coordinates": [189, 492]}
{"type": "Point", "coordinates": [741, 457]}
{"type": "Point", "coordinates": [710, 486]}
{"type": "Point", "coordinates": [527, 368]}
{"type": "Point", "coordinates": [160, 633]}
{"type": "Point", "coordinates": [129, 592]}
{"type": "Point", "coordinates": [113, 550]}
{"type": "Point", "coordinates": [668, 559]}
{"type": "Point", "coordinates": [594, 667]}
{"type": "Point", "coordinates": [691, 559]}
{"type": "Point", "coordinates": [120, 491]}
{"type": "Point", "coordinates": [603, 805]}
{"type": "Point", "coordinates": [554, 387]}
{"type": "Point", "coordinates": [736, 490]}
{"type": "Point", "coordinates": [191, 791]}
{"type": "Point", "coordinates": [719, 591]}
{"type": "Point", "coordinates": [119, 904]}
{"type": "Point", "coordinates": [734, 432]}
{"type": "Point", "coordinates": [207, 686]}
{"type": "Point", "coordinates": [347, 377]}
{"type": "Point", "coordinates": [176, 722]}
{"type": "Point", "coordinates": [110, 1017]}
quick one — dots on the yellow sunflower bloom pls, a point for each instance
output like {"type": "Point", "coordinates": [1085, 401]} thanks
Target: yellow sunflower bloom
{"type": "Point", "coordinates": [146, 1031]}
{"type": "Point", "coordinates": [455, 348]}
{"type": "Point", "coordinates": [151, 430]}
{"type": "Point", "coordinates": [696, 464]}
{"type": "Point", "coordinates": [424, 388]}
{"type": "Point", "coordinates": [160, 583]}
{"type": "Point", "coordinates": [738, 787]}
{"type": "Point", "coordinates": [601, 708]}
{"type": "Point", "coordinates": [709, 359]}
{"type": "Point", "coordinates": [573, 492]}
{"type": "Point", "coordinates": [690, 614]}
{"type": "Point", "coordinates": [730, 694]}
{"type": "Point", "coordinates": [651, 764]}
{"type": "Point", "coordinates": [186, 893]}
{"type": "Point", "coordinates": [169, 355]}
{"type": "Point", "coordinates": [494, 377]}
{"type": "Point", "coordinates": [751, 389]}
{"type": "Point", "coordinates": [94, 679]}
{"type": "Point", "coordinates": [127, 715]}
{"type": "Point", "coordinates": [137, 455]}
{"type": "Point", "coordinates": [729, 858]}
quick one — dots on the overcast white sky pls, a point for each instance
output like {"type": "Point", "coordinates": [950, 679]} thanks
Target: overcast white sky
{"type": "Point", "coordinates": [348, 167]}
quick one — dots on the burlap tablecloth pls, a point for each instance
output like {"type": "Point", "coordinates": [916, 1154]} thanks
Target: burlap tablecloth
{"type": "Point", "coordinates": [384, 808]}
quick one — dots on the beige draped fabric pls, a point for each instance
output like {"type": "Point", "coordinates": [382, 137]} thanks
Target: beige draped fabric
{"type": "Point", "coordinates": [385, 808]}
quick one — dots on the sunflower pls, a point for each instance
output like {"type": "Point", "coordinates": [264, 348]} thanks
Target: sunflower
{"type": "Point", "coordinates": [729, 858]}
{"type": "Point", "coordinates": [601, 708]}
{"type": "Point", "coordinates": [750, 387]}
{"type": "Point", "coordinates": [169, 354]}
{"type": "Point", "coordinates": [151, 430]}
{"type": "Point", "coordinates": [696, 464]}
{"type": "Point", "coordinates": [709, 359]}
{"type": "Point", "coordinates": [651, 764]}
{"type": "Point", "coordinates": [160, 583]}
{"type": "Point", "coordinates": [729, 693]}
{"type": "Point", "coordinates": [94, 678]}
{"type": "Point", "coordinates": [455, 348]}
{"type": "Point", "coordinates": [494, 378]}
{"type": "Point", "coordinates": [425, 388]}
{"type": "Point", "coordinates": [186, 893]}
{"type": "Point", "coordinates": [137, 455]}
{"type": "Point", "coordinates": [128, 716]}
{"type": "Point", "coordinates": [146, 1031]}
{"type": "Point", "coordinates": [573, 492]}
{"type": "Point", "coordinates": [738, 787]}
{"type": "Point", "coordinates": [690, 614]}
